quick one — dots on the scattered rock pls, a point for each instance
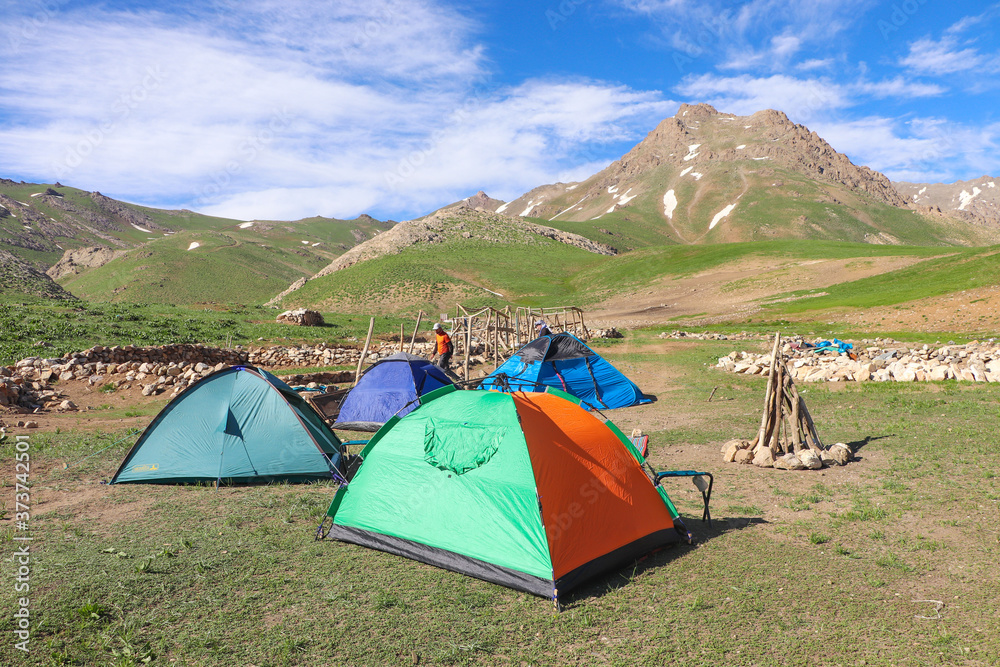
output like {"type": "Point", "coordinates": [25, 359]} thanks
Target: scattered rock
{"type": "Point", "coordinates": [841, 453]}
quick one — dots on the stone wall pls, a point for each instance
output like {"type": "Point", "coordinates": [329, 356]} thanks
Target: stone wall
{"type": "Point", "coordinates": [885, 362]}
{"type": "Point", "coordinates": [31, 384]}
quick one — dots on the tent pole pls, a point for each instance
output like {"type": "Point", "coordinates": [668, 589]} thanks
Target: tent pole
{"type": "Point", "coordinates": [364, 352]}
{"type": "Point", "coordinates": [400, 337]}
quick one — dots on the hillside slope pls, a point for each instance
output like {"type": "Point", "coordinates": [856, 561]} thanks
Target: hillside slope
{"type": "Point", "coordinates": [18, 279]}
{"type": "Point", "coordinates": [75, 235]}
{"type": "Point", "coordinates": [454, 254]}
{"type": "Point", "coordinates": [710, 177]}
{"type": "Point", "coordinates": [245, 263]}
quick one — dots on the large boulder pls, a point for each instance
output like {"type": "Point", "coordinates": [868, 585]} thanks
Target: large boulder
{"type": "Point", "coordinates": [301, 317]}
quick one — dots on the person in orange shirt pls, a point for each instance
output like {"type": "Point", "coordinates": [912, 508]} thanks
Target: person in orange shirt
{"type": "Point", "coordinates": [444, 348]}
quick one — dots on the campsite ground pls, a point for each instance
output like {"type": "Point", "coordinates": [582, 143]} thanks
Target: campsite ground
{"type": "Point", "coordinates": [890, 560]}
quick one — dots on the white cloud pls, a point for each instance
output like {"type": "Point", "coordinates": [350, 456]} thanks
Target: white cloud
{"type": "Point", "coordinates": [801, 99]}
{"type": "Point", "coordinates": [920, 150]}
{"type": "Point", "coordinates": [783, 46]}
{"type": "Point", "coordinates": [939, 57]}
{"type": "Point", "coordinates": [757, 34]}
{"type": "Point", "coordinates": [283, 110]}
{"type": "Point", "coordinates": [814, 64]}
{"type": "Point", "coordinates": [897, 87]}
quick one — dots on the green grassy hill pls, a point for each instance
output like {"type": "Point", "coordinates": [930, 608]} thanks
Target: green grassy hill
{"type": "Point", "coordinates": [468, 257]}
{"type": "Point", "coordinates": [39, 226]}
{"type": "Point", "coordinates": [246, 262]}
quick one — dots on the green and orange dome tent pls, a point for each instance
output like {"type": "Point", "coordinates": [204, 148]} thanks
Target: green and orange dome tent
{"type": "Point", "coordinates": [526, 490]}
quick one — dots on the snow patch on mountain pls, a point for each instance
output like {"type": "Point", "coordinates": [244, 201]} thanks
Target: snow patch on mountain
{"type": "Point", "coordinates": [669, 204]}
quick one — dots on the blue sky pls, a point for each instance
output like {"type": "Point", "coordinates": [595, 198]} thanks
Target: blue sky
{"type": "Point", "coordinates": [268, 109]}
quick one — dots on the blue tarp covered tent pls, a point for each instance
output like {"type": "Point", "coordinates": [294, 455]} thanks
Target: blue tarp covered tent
{"type": "Point", "coordinates": [389, 387]}
{"type": "Point", "coordinates": [241, 425]}
{"type": "Point", "coordinates": [563, 361]}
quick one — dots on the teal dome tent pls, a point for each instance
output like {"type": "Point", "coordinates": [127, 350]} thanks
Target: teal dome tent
{"type": "Point", "coordinates": [239, 425]}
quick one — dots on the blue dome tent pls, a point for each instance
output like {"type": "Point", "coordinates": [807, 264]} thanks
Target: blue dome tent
{"type": "Point", "coordinates": [388, 387]}
{"type": "Point", "coordinates": [564, 362]}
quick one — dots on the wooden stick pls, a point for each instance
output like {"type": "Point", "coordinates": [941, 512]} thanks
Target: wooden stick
{"type": "Point", "coordinates": [364, 352]}
{"type": "Point", "coordinates": [401, 337]}
{"type": "Point", "coordinates": [772, 442]}
{"type": "Point", "coordinates": [416, 328]}
{"type": "Point", "coordinates": [808, 427]}
{"type": "Point", "coordinates": [796, 437]}
{"type": "Point", "coordinates": [468, 343]}
{"type": "Point", "coordinates": [761, 432]}
{"type": "Point", "coordinates": [812, 428]}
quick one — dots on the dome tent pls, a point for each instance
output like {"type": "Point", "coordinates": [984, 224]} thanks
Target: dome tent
{"type": "Point", "coordinates": [564, 362]}
{"type": "Point", "coordinates": [388, 387]}
{"type": "Point", "coordinates": [527, 490]}
{"type": "Point", "coordinates": [239, 425]}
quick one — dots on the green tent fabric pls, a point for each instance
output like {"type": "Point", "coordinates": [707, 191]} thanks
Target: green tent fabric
{"type": "Point", "coordinates": [238, 425]}
{"type": "Point", "coordinates": [527, 490]}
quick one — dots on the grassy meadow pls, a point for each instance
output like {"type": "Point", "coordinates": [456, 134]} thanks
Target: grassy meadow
{"type": "Point", "coordinates": [890, 560]}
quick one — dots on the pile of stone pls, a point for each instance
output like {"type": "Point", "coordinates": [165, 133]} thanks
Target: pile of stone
{"type": "Point", "coordinates": [742, 451]}
{"type": "Point", "coordinates": [25, 391]}
{"type": "Point", "coordinates": [31, 383]}
{"type": "Point", "coordinates": [610, 332]}
{"type": "Point", "coordinates": [710, 336]}
{"type": "Point", "coordinates": [324, 355]}
{"type": "Point", "coordinates": [885, 361]}
{"type": "Point", "coordinates": [301, 317]}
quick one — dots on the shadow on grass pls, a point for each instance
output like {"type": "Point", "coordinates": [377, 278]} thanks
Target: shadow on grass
{"type": "Point", "coordinates": [857, 445]}
{"type": "Point", "coordinates": [623, 576]}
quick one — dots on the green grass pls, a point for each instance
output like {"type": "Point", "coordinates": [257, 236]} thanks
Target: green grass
{"type": "Point", "coordinates": [433, 276]}
{"type": "Point", "coordinates": [71, 328]}
{"type": "Point", "coordinates": [960, 270]}
{"type": "Point", "coordinates": [648, 265]}
{"type": "Point", "coordinates": [223, 269]}
{"type": "Point", "coordinates": [194, 575]}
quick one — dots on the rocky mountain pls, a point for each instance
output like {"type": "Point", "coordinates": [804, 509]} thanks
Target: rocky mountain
{"type": "Point", "coordinates": [704, 176]}
{"type": "Point", "coordinates": [977, 201]}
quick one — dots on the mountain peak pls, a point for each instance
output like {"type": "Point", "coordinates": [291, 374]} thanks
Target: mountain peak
{"type": "Point", "coordinates": [767, 175]}
{"type": "Point", "coordinates": [700, 110]}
